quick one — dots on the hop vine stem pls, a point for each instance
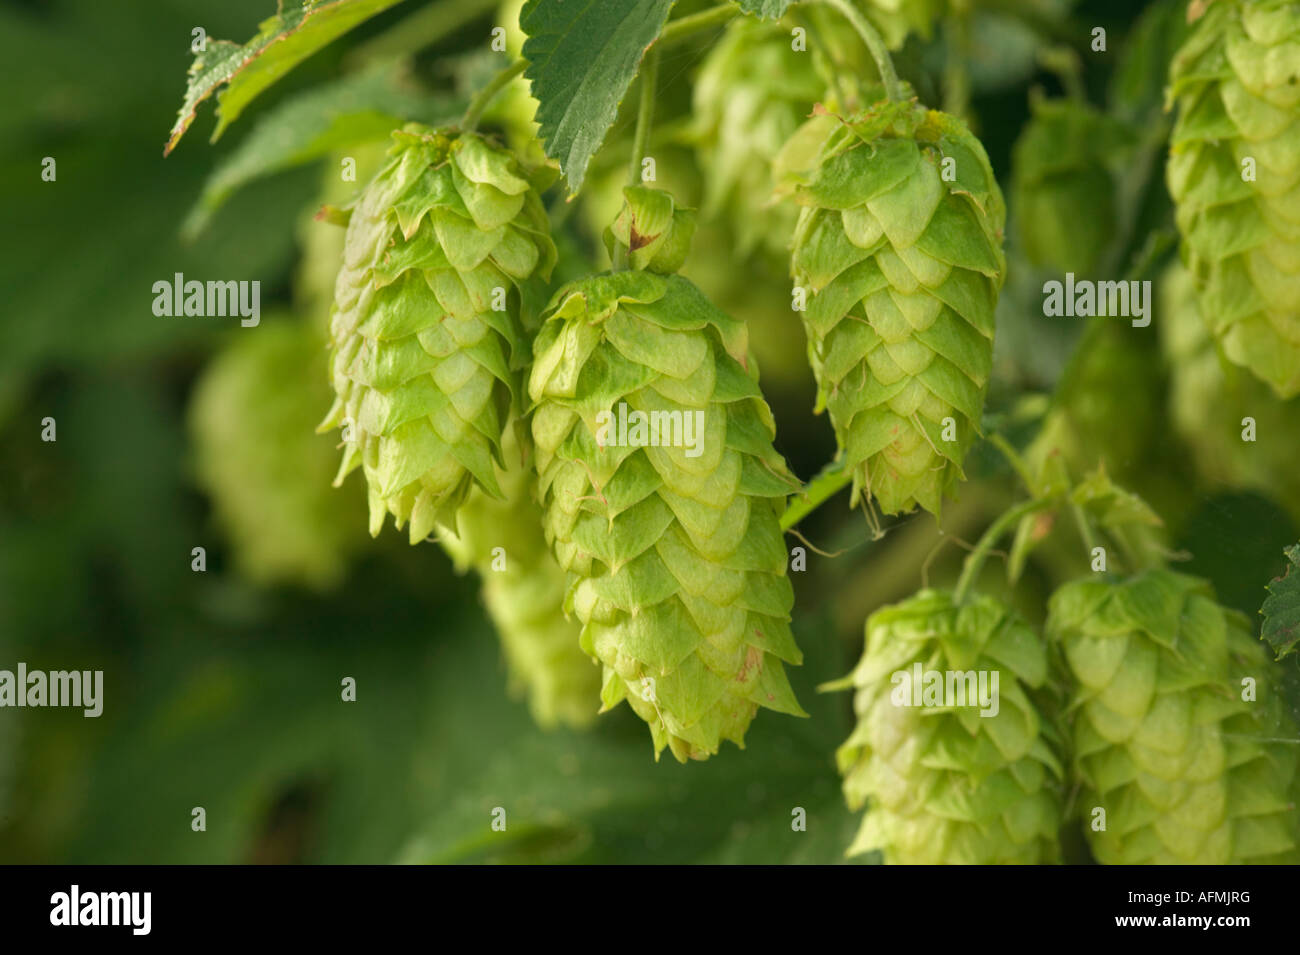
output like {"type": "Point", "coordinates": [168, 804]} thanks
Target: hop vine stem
{"type": "Point", "coordinates": [641, 138]}
{"type": "Point", "coordinates": [975, 559]}
{"type": "Point", "coordinates": [875, 45]}
{"type": "Point", "coordinates": [483, 98]}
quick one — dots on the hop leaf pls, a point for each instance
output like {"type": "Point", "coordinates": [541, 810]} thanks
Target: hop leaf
{"type": "Point", "coordinates": [1186, 770]}
{"type": "Point", "coordinates": [669, 526]}
{"type": "Point", "coordinates": [427, 335]}
{"type": "Point", "coordinates": [524, 595]}
{"type": "Point", "coordinates": [252, 418]}
{"type": "Point", "coordinates": [899, 245]}
{"type": "Point", "coordinates": [944, 782]}
{"type": "Point", "coordinates": [1281, 608]}
{"type": "Point", "coordinates": [1234, 174]}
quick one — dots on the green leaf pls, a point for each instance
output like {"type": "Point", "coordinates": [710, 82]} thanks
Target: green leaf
{"type": "Point", "coordinates": [1281, 608]}
{"type": "Point", "coordinates": [765, 9]}
{"type": "Point", "coordinates": [357, 109]}
{"type": "Point", "coordinates": [299, 29]}
{"type": "Point", "coordinates": [582, 56]}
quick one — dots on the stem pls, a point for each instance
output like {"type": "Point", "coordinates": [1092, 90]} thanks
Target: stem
{"type": "Point", "coordinates": [696, 22]}
{"type": "Point", "coordinates": [975, 560]}
{"type": "Point", "coordinates": [641, 137]}
{"type": "Point", "coordinates": [956, 76]}
{"type": "Point", "coordinates": [876, 46]}
{"type": "Point", "coordinates": [485, 96]}
{"type": "Point", "coordinates": [820, 489]}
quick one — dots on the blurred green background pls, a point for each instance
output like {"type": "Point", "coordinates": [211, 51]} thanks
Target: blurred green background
{"type": "Point", "coordinates": [222, 688]}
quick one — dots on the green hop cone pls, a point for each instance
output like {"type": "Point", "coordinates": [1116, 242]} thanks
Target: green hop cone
{"type": "Point", "coordinates": [523, 590]}
{"type": "Point", "coordinates": [427, 333]}
{"type": "Point", "coordinates": [1186, 770]}
{"type": "Point", "coordinates": [663, 494]}
{"type": "Point", "coordinates": [942, 783]}
{"type": "Point", "coordinates": [252, 419]}
{"type": "Point", "coordinates": [752, 92]}
{"type": "Point", "coordinates": [1234, 174]}
{"type": "Point", "coordinates": [1210, 400]}
{"type": "Point", "coordinates": [1062, 190]}
{"type": "Point", "coordinates": [899, 247]}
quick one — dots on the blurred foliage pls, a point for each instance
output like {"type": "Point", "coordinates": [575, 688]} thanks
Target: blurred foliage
{"type": "Point", "coordinates": [225, 693]}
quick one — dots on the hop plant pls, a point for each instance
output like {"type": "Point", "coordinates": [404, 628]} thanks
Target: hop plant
{"type": "Point", "coordinates": [899, 246]}
{"type": "Point", "coordinates": [752, 92]}
{"type": "Point", "coordinates": [427, 337]}
{"type": "Point", "coordinates": [1186, 770]}
{"type": "Point", "coordinates": [1062, 191]}
{"type": "Point", "coordinates": [252, 419]}
{"type": "Point", "coordinates": [1210, 399]}
{"type": "Point", "coordinates": [523, 590]}
{"type": "Point", "coordinates": [671, 534]}
{"type": "Point", "coordinates": [1234, 174]}
{"type": "Point", "coordinates": [898, 19]}
{"type": "Point", "coordinates": [944, 783]}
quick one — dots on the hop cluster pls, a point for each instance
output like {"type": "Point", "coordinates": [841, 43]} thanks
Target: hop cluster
{"type": "Point", "coordinates": [523, 589]}
{"type": "Point", "coordinates": [945, 782]}
{"type": "Point", "coordinates": [1210, 398]}
{"type": "Point", "coordinates": [1062, 191]}
{"type": "Point", "coordinates": [1164, 739]}
{"type": "Point", "coordinates": [256, 456]}
{"type": "Point", "coordinates": [753, 91]}
{"type": "Point", "coordinates": [1234, 174]}
{"type": "Point", "coordinates": [427, 340]}
{"type": "Point", "coordinates": [899, 245]}
{"type": "Point", "coordinates": [662, 495]}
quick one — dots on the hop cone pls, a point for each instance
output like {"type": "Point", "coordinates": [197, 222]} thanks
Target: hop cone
{"type": "Point", "coordinates": [753, 91]}
{"type": "Point", "coordinates": [1185, 769]}
{"type": "Point", "coordinates": [902, 268]}
{"type": "Point", "coordinates": [1209, 398]}
{"type": "Point", "coordinates": [426, 332]}
{"type": "Point", "coordinates": [943, 784]}
{"type": "Point", "coordinates": [678, 562]}
{"type": "Point", "coordinates": [252, 420]}
{"type": "Point", "coordinates": [1062, 192]}
{"type": "Point", "coordinates": [1236, 80]}
{"type": "Point", "coordinates": [525, 597]}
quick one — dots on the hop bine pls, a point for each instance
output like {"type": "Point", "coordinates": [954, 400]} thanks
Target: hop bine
{"type": "Point", "coordinates": [950, 781]}
{"type": "Point", "coordinates": [670, 531]}
{"type": "Point", "coordinates": [1186, 769]}
{"type": "Point", "coordinates": [1234, 174]}
{"type": "Point", "coordinates": [899, 246]}
{"type": "Point", "coordinates": [427, 337]}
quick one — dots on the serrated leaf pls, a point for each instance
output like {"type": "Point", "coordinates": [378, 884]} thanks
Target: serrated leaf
{"type": "Point", "coordinates": [357, 109]}
{"type": "Point", "coordinates": [1281, 608]}
{"type": "Point", "coordinates": [582, 56]}
{"type": "Point", "coordinates": [299, 29]}
{"type": "Point", "coordinates": [765, 9]}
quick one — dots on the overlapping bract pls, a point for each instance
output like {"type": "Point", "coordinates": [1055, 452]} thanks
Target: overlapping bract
{"type": "Point", "coordinates": [943, 784]}
{"type": "Point", "coordinates": [427, 337]}
{"type": "Point", "coordinates": [1211, 399]}
{"type": "Point", "coordinates": [523, 589]}
{"type": "Point", "coordinates": [678, 559]}
{"type": "Point", "coordinates": [251, 418]}
{"type": "Point", "coordinates": [752, 92]}
{"type": "Point", "coordinates": [1186, 770]}
{"type": "Point", "coordinates": [899, 246]}
{"type": "Point", "coordinates": [1234, 174]}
